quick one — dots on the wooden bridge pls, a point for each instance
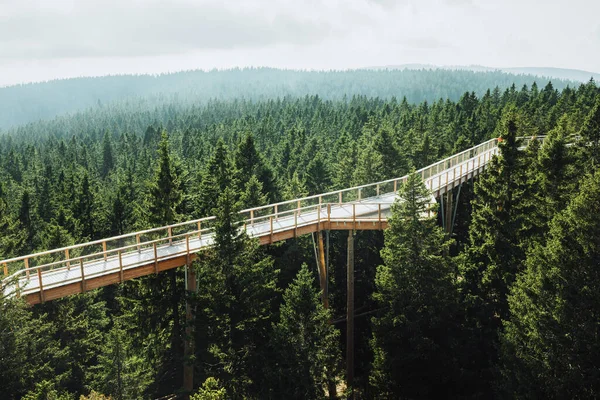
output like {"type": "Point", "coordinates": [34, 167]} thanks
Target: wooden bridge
{"type": "Point", "coordinates": [61, 272]}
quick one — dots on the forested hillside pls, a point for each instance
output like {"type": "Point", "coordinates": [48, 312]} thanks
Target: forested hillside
{"type": "Point", "coordinates": [506, 307]}
{"type": "Point", "coordinates": [32, 102]}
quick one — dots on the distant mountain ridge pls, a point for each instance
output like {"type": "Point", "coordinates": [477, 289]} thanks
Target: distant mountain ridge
{"type": "Point", "coordinates": [576, 75]}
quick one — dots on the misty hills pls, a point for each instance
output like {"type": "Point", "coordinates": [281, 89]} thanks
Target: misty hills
{"type": "Point", "coordinates": [546, 73]}
{"type": "Point", "coordinates": [22, 104]}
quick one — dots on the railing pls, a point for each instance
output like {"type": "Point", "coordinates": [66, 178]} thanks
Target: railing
{"type": "Point", "coordinates": [258, 221]}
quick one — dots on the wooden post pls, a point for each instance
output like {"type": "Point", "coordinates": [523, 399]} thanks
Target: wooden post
{"type": "Point", "coordinates": [39, 274]}
{"type": "Point", "coordinates": [5, 269]}
{"type": "Point", "coordinates": [27, 267]}
{"type": "Point", "coordinates": [277, 212]}
{"type": "Point", "coordinates": [298, 207]}
{"type": "Point", "coordinates": [395, 185]}
{"type": "Point", "coordinates": [121, 266]}
{"type": "Point", "coordinates": [82, 275]}
{"type": "Point", "coordinates": [454, 177]}
{"type": "Point", "coordinates": [328, 212]}
{"type": "Point", "coordinates": [319, 217]}
{"type": "Point", "coordinates": [377, 189]}
{"type": "Point", "coordinates": [252, 217]}
{"type": "Point", "coordinates": [199, 230]}
{"type": "Point", "coordinates": [379, 214]}
{"type": "Point", "coordinates": [323, 272]}
{"type": "Point", "coordinates": [188, 344]}
{"type": "Point", "coordinates": [295, 223]}
{"type": "Point", "coordinates": [155, 258]}
{"type": "Point", "coordinates": [350, 315]}
{"type": "Point", "coordinates": [340, 197]}
{"type": "Point", "coordinates": [359, 194]}
{"type": "Point", "coordinates": [187, 247]}
{"type": "Point", "coordinates": [170, 233]}
{"type": "Point", "coordinates": [353, 215]}
{"type": "Point", "coordinates": [104, 249]}
{"type": "Point", "coordinates": [271, 223]}
{"type": "Point", "coordinates": [137, 240]}
{"type": "Point", "coordinates": [67, 258]}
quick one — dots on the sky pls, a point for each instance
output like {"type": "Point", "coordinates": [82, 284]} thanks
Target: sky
{"type": "Point", "coordinates": [48, 39]}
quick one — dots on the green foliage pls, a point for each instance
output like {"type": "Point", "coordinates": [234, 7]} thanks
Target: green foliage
{"type": "Point", "coordinates": [120, 372]}
{"type": "Point", "coordinates": [98, 173]}
{"type": "Point", "coordinates": [550, 348]}
{"type": "Point", "coordinates": [239, 286]}
{"type": "Point", "coordinates": [165, 192]}
{"type": "Point", "coordinates": [210, 390]}
{"type": "Point", "coordinates": [305, 344]}
{"type": "Point", "coordinates": [414, 332]}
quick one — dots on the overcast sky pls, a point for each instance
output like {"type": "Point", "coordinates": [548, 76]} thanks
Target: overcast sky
{"type": "Point", "coordinates": [47, 39]}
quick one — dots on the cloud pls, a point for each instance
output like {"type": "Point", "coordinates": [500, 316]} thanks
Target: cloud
{"type": "Point", "coordinates": [132, 28]}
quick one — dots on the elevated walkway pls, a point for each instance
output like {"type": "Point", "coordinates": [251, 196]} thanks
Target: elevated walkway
{"type": "Point", "coordinates": [61, 272]}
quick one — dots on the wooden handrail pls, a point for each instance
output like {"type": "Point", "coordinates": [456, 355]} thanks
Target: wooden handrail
{"type": "Point", "coordinates": [457, 161]}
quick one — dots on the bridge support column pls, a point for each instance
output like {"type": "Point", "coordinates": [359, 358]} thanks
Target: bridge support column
{"type": "Point", "coordinates": [323, 272]}
{"type": "Point", "coordinates": [350, 315]}
{"type": "Point", "coordinates": [188, 348]}
{"type": "Point", "coordinates": [448, 212]}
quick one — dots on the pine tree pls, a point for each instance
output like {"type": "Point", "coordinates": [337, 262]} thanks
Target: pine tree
{"type": "Point", "coordinates": [318, 176]}
{"type": "Point", "coordinates": [84, 209]}
{"type": "Point", "coordinates": [550, 345]}
{"type": "Point", "coordinates": [108, 161]}
{"type": "Point", "coordinates": [304, 342]}
{"type": "Point", "coordinates": [165, 193]}
{"type": "Point", "coordinates": [11, 235]}
{"type": "Point", "coordinates": [239, 286]}
{"type": "Point", "coordinates": [249, 162]}
{"type": "Point", "coordinates": [26, 224]}
{"type": "Point", "coordinates": [216, 177]}
{"type": "Point", "coordinates": [413, 335]}
{"type": "Point", "coordinates": [503, 219]}
{"type": "Point", "coordinates": [253, 194]}
{"type": "Point", "coordinates": [589, 140]}
{"type": "Point", "coordinates": [120, 372]}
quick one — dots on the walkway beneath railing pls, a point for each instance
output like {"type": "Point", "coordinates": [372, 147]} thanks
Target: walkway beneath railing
{"type": "Point", "coordinates": [61, 272]}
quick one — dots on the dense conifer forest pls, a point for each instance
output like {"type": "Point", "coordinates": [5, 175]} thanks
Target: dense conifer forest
{"type": "Point", "coordinates": [20, 104]}
{"type": "Point", "coordinates": [505, 307]}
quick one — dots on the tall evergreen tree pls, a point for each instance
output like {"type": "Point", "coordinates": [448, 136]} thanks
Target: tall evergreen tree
{"type": "Point", "coordinates": [413, 335]}
{"type": "Point", "coordinates": [305, 343]}
{"type": "Point", "coordinates": [165, 193]}
{"type": "Point", "coordinates": [239, 287]}
{"type": "Point", "coordinates": [550, 345]}
{"type": "Point", "coordinates": [84, 209]}
{"type": "Point", "coordinates": [503, 217]}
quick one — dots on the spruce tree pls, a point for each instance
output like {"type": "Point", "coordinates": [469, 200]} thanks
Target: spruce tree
{"type": "Point", "coordinates": [108, 159]}
{"type": "Point", "coordinates": [239, 286]}
{"type": "Point", "coordinates": [215, 178]}
{"type": "Point", "coordinates": [589, 138]}
{"type": "Point", "coordinates": [413, 334]}
{"type": "Point", "coordinates": [249, 162]}
{"type": "Point", "coordinates": [305, 343]}
{"type": "Point", "coordinates": [504, 224]}
{"type": "Point", "coordinates": [84, 209]}
{"type": "Point", "coordinates": [550, 345]}
{"type": "Point", "coordinates": [165, 193]}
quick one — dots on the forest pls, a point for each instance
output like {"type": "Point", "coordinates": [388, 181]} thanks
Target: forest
{"type": "Point", "coordinates": [21, 104]}
{"type": "Point", "coordinates": [505, 307]}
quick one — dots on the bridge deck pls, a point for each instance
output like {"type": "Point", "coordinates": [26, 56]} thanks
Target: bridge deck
{"type": "Point", "coordinates": [59, 274]}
